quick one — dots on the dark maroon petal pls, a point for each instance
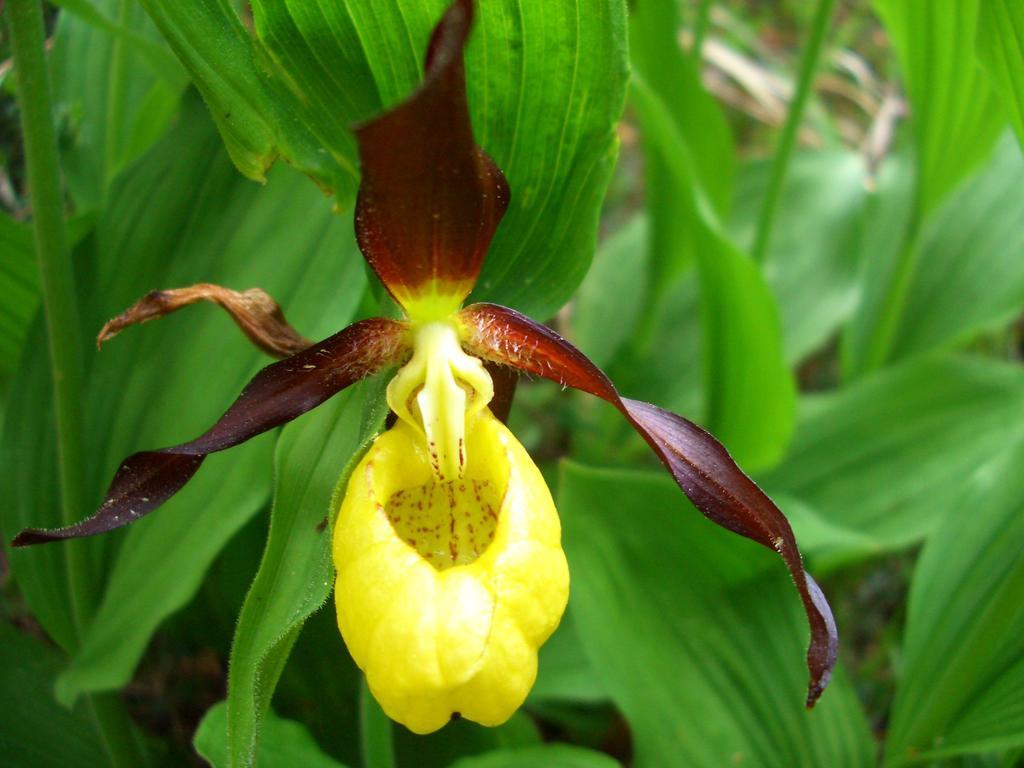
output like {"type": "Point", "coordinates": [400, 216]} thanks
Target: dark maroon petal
{"type": "Point", "coordinates": [700, 464]}
{"type": "Point", "coordinates": [430, 199]}
{"type": "Point", "coordinates": [276, 395]}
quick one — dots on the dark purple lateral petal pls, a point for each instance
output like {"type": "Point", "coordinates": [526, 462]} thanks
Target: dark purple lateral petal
{"type": "Point", "coordinates": [276, 395]}
{"type": "Point", "coordinates": [700, 465]}
{"type": "Point", "coordinates": [430, 199]}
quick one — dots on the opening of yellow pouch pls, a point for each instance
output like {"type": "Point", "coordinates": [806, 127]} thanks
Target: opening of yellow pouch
{"type": "Point", "coordinates": [448, 523]}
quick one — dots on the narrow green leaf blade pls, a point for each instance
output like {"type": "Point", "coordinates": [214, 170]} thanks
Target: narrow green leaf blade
{"type": "Point", "coordinates": [954, 113]}
{"type": "Point", "coordinates": [812, 260]}
{"type": "Point", "coordinates": [970, 274]}
{"type": "Point", "coordinates": [296, 575]}
{"type": "Point", "coordinates": [963, 669]}
{"type": "Point", "coordinates": [749, 389]}
{"type": "Point", "coordinates": [1000, 47]}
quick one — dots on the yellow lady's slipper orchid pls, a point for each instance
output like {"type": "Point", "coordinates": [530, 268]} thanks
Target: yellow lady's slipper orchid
{"type": "Point", "coordinates": [450, 572]}
{"type": "Point", "coordinates": [446, 588]}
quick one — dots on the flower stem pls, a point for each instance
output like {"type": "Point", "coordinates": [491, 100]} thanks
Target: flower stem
{"type": "Point", "coordinates": [808, 68]}
{"type": "Point", "coordinates": [700, 31]}
{"type": "Point", "coordinates": [115, 97]}
{"type": "Point", "coordinates": [374, 731]}
{"type": "Point", "coordinates": [62, 326]}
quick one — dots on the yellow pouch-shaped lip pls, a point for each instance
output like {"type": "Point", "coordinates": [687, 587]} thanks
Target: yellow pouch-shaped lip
{"type": "Point", "coordinates": [446, 590]}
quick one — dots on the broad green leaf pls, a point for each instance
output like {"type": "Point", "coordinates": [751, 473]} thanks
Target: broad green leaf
{"type": "Point", "coordinates": [674, 78]}
{"type": "Point", "coordinates": [462, 739]}
{"type": "Point", "coordinates": [19, 285]}
{"type": "Point", "coordinates": [696, 633]}
{"type": "Point", "coordinates": [114, 95]}
{"type": "Point", "coordinates": [286, 743]}
{"type": "Point", "coordinates": [155, 55]}
{"type": "Point", "coordinates": [30, 486]}
{"type": "Point", "coordinates": [885, 244]}
{"type": "Point", "coordinates": [549, 756]}
{"type": "Point", "coordinates": [749, 390]}
{"type": "Point", "coordinates": [233, 232]}
{"type": "Point", "coordinates": [885, 456]}
{"type": "Point", "coordinates": [147, 584]}
{"type": "Point", "coordinates": [812, 260]}
{"type": "Point", "coordinates": [610, 302]}
{"type": "Point", "coordinates": [970, 274]}
{"type": "Point", "coordinates": [295, 576]}
{"type": "Point", "coordinates": [546, 88]}
{"type": "Point", "coordinates": [963, 655]}
{"type": "Point", "coordinates": [256, 115]}
{"type": "Point", "coordinates": [179, 216]}
{"type": "Point", "coordinates": [565, 673]}
{"type": "Point", "coordinates": [826, 544]}
{"type": "Point", "coordinates": [36, 730]}
{"type": "Point", "coordinates": [954, 114]}
{"type": "Point", "coordinates": [1000, 47]}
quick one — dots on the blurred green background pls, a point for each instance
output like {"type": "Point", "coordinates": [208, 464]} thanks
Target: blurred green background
{"type": "Point", "coordinates": [800, 224]}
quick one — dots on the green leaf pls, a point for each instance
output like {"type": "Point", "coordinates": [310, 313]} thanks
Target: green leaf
{"type": "Point", "coordinates": [673, 78]}
{"type": "Point", "coordinates": [295, 576]}
{"type": "Point", "coordinates": [286, 744]}
{"type": "Point", "coordinates": [813, 256]}
{"type": "Point", "coordinates": [179, 216]}
{"type": "Point", "coordinates": [565, 673]}
{"type": "Point", "coordinates": [19, 285]}
{"type": "Point", "coordinates": [1000, 47]}
{"type": "Point", "coordinates": [610, 302]}
{"type": "Point", "coordinates": [159, 60]}
{"type": "Point", "coordinates": [549, 756]}
{"type": "Point", "coordinates": [954, 114]}
{"type": "Point", "coordinates": [970, 274]}
{"type": "Point", "coordinates": [37, 731]}
{"type": "Point", "coordinates": [148, 583]}
{"type": "Point", "coordinates": [886, 240]}
{"type": "Point", "coordinates": [750, 392]}
{"type": "Point", "coordinates": [884, 456]}
{"type": "Point", "coordinates": [963, 656]}
{"type": "Point", "coordinates": [695, 632]}
{"type": "Point", "coordinates": [257, 117]}
{"type": "Point", "coordinates": [115, 95]}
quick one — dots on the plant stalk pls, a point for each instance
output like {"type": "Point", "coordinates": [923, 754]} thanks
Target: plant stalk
{"type": "Point", "coordinates": [374, 731]}
{"type": "Point", "coordinates": [700, 31]}
{"type": "Point", "coordinates": [63, 330]}
{"type": "Point", "coordinates": [780, 165]}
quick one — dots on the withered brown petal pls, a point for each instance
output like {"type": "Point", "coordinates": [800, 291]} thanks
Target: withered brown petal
{"type": "Point", "coordinates": [276, 395]}
{"type": "Point", "coordinates": [700, 465]}
{"type": "Point", "coordinates": [254, 311]}
{"type": "Point", "coordinates": [430, 199]}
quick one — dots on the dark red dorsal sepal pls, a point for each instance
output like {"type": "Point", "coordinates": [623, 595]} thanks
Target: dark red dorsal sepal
{"type": "Point", "coordinates": [430, 199]}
